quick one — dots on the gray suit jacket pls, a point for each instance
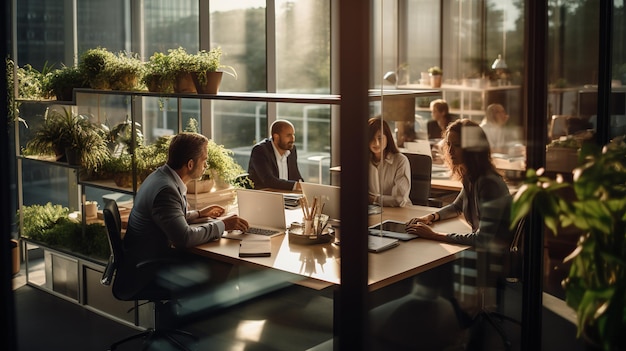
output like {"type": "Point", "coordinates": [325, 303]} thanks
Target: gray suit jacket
{"type": "Point", "coordinates": [158, 221]}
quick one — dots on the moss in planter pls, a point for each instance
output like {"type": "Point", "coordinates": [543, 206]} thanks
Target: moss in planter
{"type": "Point", "coordinates": [40, 218]}
{"type": "Point", "coordinates": [49, 224]}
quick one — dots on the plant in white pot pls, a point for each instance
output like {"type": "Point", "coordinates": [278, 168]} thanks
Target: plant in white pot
{"type": "Point", "coordinates": [435, 73]}
{"type": "Point", "coordinates": [222, 171]}
{"type": "Point", "coordinates": [595, 203]}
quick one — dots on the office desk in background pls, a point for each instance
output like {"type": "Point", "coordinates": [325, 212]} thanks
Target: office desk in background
{"type": "Point", "coordinates": [318, 266]}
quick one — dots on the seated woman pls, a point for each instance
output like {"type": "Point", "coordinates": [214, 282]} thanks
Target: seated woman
{"type": "Point", "coordinates": [440, 113]}
{"type": "Point", "coordinates": [389, 171]}
{"type": "Point", "coordinates": [484, 199]}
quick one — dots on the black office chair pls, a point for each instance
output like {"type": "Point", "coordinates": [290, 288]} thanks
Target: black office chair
{"type": "Point", "coordinates": [421, 174]}
{"type": "Point", "coordinates": [114, 274]}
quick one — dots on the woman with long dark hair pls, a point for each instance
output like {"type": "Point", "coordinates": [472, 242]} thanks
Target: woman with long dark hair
{"type": "Point", "coordinates": [484, 200]}
{"type": "Point", "coordinates": [389, 171]}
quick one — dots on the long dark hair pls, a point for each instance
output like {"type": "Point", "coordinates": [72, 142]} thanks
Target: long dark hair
{"type": "Point", "coordinates": [476, 152]}
{"type": "Point", "coordinates": [374, 125]}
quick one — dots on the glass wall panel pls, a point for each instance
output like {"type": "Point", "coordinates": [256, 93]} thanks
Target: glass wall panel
{"type": "Point", "coordinates": [463, 38]}
{"type": "Point", "coordinates": [169, 25]}
{"type": "Point", "coordinates": [423, 38]}
{"type": "Point", "coordinates": [103, 24]}
{"type": "Point", "coordinates": [40, 33]}
{"type": "Point", "coordinates": [303, 46]}
{"type": "Point", "coordinates": [239, 27]}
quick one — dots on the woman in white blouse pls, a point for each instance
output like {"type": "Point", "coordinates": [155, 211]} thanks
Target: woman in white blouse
{"type": "Point", "coordinates": [389, 171]}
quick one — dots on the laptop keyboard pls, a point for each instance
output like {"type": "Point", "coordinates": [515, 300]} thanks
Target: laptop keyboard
{"type": "Point", "coordinates": [261, 231]}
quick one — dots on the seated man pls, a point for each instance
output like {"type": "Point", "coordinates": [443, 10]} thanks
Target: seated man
{"type": "Point", "coordinates": [159, 220]}
{"type": "Point", "coordinates": [274, 161]}
{"type": "Point", "coordinates": [502, 138]}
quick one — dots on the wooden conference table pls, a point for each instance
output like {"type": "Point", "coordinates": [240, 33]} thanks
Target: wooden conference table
{"type": "Point", "coordinates": [318, 266]}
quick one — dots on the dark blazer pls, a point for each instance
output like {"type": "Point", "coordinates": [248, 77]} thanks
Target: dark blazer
{"type": "Point", "coordinates": [158, 221]}
{"type": "Point", "coordinates": [434, 131]}
{"type": "Point", "coordinates": [263, 168]}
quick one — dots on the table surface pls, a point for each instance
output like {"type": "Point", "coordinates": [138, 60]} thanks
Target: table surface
{"type": "Point", "coordinates": [319, 264]}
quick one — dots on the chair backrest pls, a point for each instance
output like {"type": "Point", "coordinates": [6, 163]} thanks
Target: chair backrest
{"type": "Point", "coordinates": [113, 223]}
{"type": "Point", "coordinates": [421, 174]}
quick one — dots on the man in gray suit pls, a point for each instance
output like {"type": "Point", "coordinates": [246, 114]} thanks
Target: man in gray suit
{"type": "Point", "coordinates": [159, 221]}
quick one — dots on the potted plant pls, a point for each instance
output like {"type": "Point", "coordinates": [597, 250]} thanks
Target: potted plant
{"type": "Point", "coordinates": [65, 131]}
{"type": "Point", "coordinates": [125, 71]}
{"type": "Point", "coordinates": [30, 82]}
{"type": "Point", "coordinates": [182, 65]}
{"type": "Point", "coordinates": [222, 171]}
{"type": "Point", "coordinates": [208, 72]}
{"type": "Point", "coordinates": [435, 73]}
{"type": "Point", "coordinates": [120, 137]}
{"type": "Point", "coordinates": [61, 82]}
{"type": "Point", "coordinates": [148, 158]}
{"type": "Point", "coordinates": [595, 203]}
{"type": "Point", "coordinates": [158, 76]}
{"type": "Point", "coordinates": [95, 64]}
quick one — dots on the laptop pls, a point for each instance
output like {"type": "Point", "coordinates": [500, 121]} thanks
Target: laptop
{"type": "Point", "coordinates": [391, 229]}
{"type": "Point", "coordinates": [419, 147]}
{"type": "Point", "coordinates": [264, 211]}
{"type": "Point", "coordinates": [329, 195]}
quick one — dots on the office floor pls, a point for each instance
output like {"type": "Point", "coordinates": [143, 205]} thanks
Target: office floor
{"type": "Point", "coordinates": [47, 322]}
{"type": "Point", "coordinates": [293, 318]}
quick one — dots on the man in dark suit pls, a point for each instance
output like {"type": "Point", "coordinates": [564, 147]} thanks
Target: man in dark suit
{"type": "Point", "coordinates": [274, 161]}
{"type": "Point", "coordinates": [159, 220]}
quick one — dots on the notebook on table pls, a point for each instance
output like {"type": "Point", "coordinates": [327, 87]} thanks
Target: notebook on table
{"type": "Point", "coordinates": [377, 243]}
{"type": "Point", "coordinates": [391, 229]}
{"type": "Point", "coordinates": [381, 243]}
{"type": "Point", "coordinates": [263, 210]}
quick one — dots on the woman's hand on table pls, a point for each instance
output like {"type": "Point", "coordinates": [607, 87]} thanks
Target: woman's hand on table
{"type": "Point", "coordinates": [427, 219]}
{"type": "Point", "coordinates": [422, 230]}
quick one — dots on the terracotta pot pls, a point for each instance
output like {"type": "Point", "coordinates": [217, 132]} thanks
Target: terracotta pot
{"type": "Point", "coordinates": [435, 81]}
{"type": "Point", "coordinates": [212, 84]}
{"type": "Point", "coordinates": [184, 83]}
{"type": "Point", "coordinates": [123, 179]}
{"type": "Point", "coordinates": [159, 85]}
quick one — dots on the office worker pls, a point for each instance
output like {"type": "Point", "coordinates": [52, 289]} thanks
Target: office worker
{"type": "Point", "coordinates": [389, 170]}
{"type": "Point", "coordinates": [493, 124]}
{"type": "Point", "coordinates": [159, 220]}
{"type": "Point", "coordinates": [484, 199]}
{"type": "Point", "coordinates": [440, 113]}
{"type": "Point", "coordinates": [274, 161]}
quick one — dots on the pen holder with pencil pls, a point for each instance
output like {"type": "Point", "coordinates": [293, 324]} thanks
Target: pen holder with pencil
{"type": "Point", "coordinates": [314, 228]}
{"type": "Point", "coordinates": [298, 235]}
